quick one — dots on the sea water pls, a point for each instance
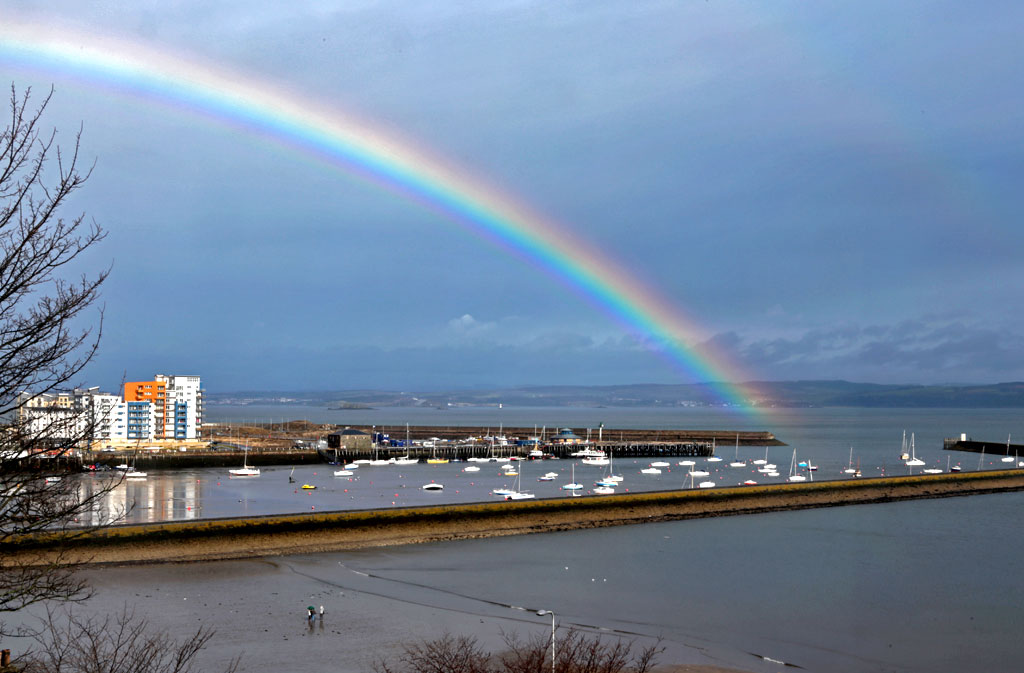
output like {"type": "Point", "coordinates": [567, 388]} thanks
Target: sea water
{"type": "Point", "coordinates": [831, 439]}
{"type": "Point", "coordinates": [928, 585]}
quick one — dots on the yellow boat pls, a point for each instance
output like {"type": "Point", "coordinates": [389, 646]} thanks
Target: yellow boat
{"type": "Point", "coordinates": [308, 486]}
{"type": "Point", "coordinates": [436, 461]}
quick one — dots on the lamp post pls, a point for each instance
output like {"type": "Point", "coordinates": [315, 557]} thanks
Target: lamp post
{"type": "Point", "coordinates": [549, 612]}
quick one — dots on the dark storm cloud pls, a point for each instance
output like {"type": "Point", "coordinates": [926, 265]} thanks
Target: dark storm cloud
{"type": "Point", "coordinates": [846, 164]}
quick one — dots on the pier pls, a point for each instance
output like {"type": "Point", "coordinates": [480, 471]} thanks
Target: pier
{"type": "Point", "coordinates": [965, 443]}
{"type": "Point", "coordinates": [296, 443]}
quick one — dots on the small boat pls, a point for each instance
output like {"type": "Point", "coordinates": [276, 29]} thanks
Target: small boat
{"type": "Point", "coordinates": [687, 463]}
{"type": "Point", "coordinates": [792, 470]}
{"type": "Point", "coordinates": [595, 461]}
{"type": "Point", "coordinates": [1008, 458]}
{"type": "Point", "coordinates": [714, 446]}
{"type": "Point", "coordinates": [706, 484]}
{"type": "Point", "coordinates": [471, 468]}
{"type": "Point", "coordinates": [750, 482]}
{"type": "Point", "coordinates": [503, 492]}
{"type": "Point", "coordinates": [914, 460]}
{"type": "Point", "coordinates": [517, 492]}
{"type": "Point", "coordinates": [362, 461]}
{"type": "Point", "coordinates": [931, 470]}
{"type": "Point", "coordinates": [548, 476]}
{"type": "Point", "coordinates": [343, 473]}
{"type": "Point", "coordinates": [604, 490]}
{"type": "Point", "coordinates": [849, 466]}
{"type": "Point", "coordinates": [699, 473]}
{"type": "Point", "coordinates": [607, 483]}
{"type": "Point", "coordinates": [432, 487]}
{"type": "Point", "coordinates": [437, 461]}
{"type": "Point", "coordinates": [573, 485]}
{"type": "Point", "coordinates": [588, 453]}
{"type": "Point", "coordinates": [406, 460]}
{"type": "Point", "coordinates": [309, 487]}
{"type": "Point", "coordinates": [350, 466]}
{"type": "Point", "coordinates": [246, 470]}
{"type": "Point", "coordinates": [736, 462]}
{"type": "Point", "coordinates": [132, 473]}
{"type": "Point", "coordinates": [660, 463]}
{"type": "Point", "coordinates": [650, 470]}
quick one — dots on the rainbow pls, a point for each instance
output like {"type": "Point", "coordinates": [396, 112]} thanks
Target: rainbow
{"type": "Point", "coordinates": [344, 142]}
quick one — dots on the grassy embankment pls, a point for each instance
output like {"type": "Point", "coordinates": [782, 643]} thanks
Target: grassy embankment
{"type": "Point", "coordinates": [333, 531]}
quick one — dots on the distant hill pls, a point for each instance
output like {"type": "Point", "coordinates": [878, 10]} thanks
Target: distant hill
{"type": "Point", "coordinates": [759, 393]}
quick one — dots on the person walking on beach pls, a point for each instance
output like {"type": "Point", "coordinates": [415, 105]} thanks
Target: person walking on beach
{"type": "Point", "coordinates": [312, 613]}
{"type": "Point", "coordinates": [321, 613]}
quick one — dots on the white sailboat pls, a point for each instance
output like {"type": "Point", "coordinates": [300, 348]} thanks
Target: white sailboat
{"type": "Point", "coordinates": [763, 461]}
{"type": "Point", "coordinates": [713, 458]}
{"type": "Point", "coordinates": [792, 470]}
{"type": "Point", "coordinates": [849, 466]}
{"type": "Point", "coordinates": [246, 470]}
{"type": "Point", "coordinates": [611, 476]}
{"type": "Point", "coordinates": [914, 460]}
{"type": "Point", "coordinates": [517, 492]}
{"type": "Point", "coordinates": [1008, 458]}
{"type": "Point", "coordinates": [573, 485]}
{"type": "Point", "coordinates": [736, 460]}
{"type": "Point", "coordinates": [132, 473]}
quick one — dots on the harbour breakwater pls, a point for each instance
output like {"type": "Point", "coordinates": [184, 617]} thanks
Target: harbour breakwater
{"type": "Point", "coordinates": [214, 539]}
{"type": "Point", "coordinates": [450, 442]}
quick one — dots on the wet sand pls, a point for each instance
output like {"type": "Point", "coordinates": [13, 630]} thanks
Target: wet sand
{"type": "Point", "coordinates": [257, 608]}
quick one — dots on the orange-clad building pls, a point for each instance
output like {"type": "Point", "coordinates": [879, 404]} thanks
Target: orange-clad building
{"type": "Point", "coordinates": [154, 392]}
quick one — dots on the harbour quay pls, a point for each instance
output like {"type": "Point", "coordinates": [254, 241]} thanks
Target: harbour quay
{"type": "Point", "coordinates": [461, 442]}
{"type": "Point", "coordinates": [303, 443]}
{"type": "Point", "coordinates": [965, 443]}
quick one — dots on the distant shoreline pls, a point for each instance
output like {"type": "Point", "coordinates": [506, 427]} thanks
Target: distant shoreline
{"type": "Point", "coordinates": [253, 537]}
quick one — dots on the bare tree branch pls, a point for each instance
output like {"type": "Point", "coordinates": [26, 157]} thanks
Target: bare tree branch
{"type": "Point", "coordinates": [43, 347]}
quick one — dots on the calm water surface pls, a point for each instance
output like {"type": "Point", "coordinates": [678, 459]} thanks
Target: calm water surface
{"type": "Point", "coordinates": [829, 438]}
{"type": "Point", "coordinates": [922, 586]}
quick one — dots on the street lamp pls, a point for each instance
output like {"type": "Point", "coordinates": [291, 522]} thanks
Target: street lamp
{"type": "Point", "coordinates": [549, 612]}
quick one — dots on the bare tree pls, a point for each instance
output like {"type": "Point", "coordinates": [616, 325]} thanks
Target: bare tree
{"type": "Point", "coordinates": [577, 653]}
{"type": "Point", "coordinates": [43, 347]}
{"type": "Point", "coordinates": [111, 644]}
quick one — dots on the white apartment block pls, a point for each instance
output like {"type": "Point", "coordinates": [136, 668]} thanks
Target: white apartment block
{"type": "Point", "coordinates": [168, 407]}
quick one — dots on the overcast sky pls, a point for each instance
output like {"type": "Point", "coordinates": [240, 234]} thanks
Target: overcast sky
{"type": "Point", "coordinates": [830, 190]}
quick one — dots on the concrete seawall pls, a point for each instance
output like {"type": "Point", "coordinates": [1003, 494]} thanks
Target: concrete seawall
{"type": "Point", "coordinates": [335, 531]}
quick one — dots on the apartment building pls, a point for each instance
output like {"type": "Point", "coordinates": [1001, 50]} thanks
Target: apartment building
{"type": "Point", "coordinates": [164, 408]}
